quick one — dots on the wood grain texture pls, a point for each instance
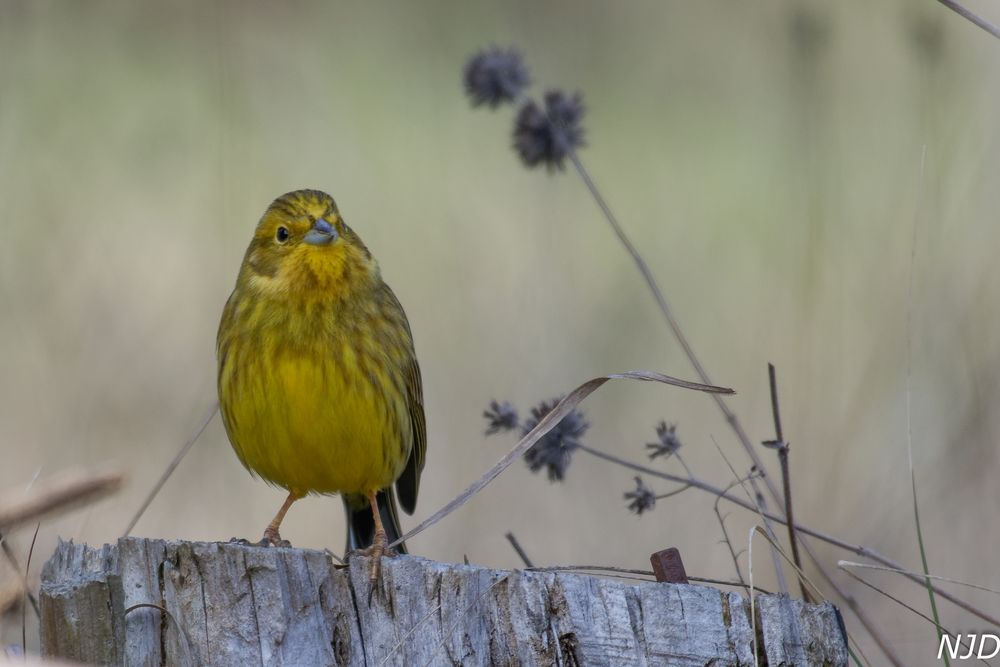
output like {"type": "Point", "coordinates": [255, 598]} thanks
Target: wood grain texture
{"type": "Point", "coordinates": [152, 602]}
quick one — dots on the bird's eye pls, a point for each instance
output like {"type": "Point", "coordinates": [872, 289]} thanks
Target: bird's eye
{"type": "Point", "coordinates": [281, 235]}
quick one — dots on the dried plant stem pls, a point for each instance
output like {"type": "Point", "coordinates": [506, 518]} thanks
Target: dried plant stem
{"type": "Point", "coordinates": [642, 575]}
{"type": "Point", "coordinates": [668, 494]}
{"type": "Point", "coordinates": [51, 495]}
{"type": "Point", "coordinates": [519, 550]}
{"type": "Point", "coordinates": [819, 535]}
{"type": "Point", "coordinates": [970, 16]}
{"type": "Point", "coordinates": [909, 394]}
{"type": "Point", "coordinates": [881, 568]}
{"type": "Point", "coordinates": [866, 621]}
{"type": "Point", "coordinates": [56, 493]}
{"type": "Point", "coordinates": [170, 469]}
{"type": "Point", "coordinates": [12, 559]}
{"type": "Point", "coordinates": [786, 478]}
{"type": "Point", "coordinates": [760, 505]}
{"type": "Point", "coordinates": [27, 570]}
{"type": "Point", "coordinates": [917, 612]}
{"type": "Point", "coordinates": [725, 533]}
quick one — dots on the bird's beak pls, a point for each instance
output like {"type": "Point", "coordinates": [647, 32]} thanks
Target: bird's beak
{"type": "Point", "coordinates": [322, 233]}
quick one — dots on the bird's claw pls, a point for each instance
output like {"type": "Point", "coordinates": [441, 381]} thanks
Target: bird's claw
{"type": "Point", "coordinates": [375, 552]}
{"type": "Point", "coordinates": [272, 539]}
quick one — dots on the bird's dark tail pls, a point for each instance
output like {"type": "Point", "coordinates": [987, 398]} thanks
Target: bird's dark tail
{"type": "Point", "coordinates": [361, 524]}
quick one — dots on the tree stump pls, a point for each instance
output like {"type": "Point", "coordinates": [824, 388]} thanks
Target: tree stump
{"type": "Point", "coordinates": [153, 602]}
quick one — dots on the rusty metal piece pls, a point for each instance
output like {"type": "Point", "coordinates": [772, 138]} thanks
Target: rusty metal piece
{"type": "Point", "coordinates": [667, 566]}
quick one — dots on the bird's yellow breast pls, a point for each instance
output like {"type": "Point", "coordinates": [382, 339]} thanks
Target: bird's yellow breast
{"type": "Point", "coordinates": [326, 417]}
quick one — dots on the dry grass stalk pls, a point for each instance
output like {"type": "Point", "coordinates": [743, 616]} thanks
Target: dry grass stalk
{"type": "Point", "coordinates": [57, 493]}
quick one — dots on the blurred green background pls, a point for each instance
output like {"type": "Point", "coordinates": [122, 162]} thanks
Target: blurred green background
{"type": "Point", "coordinates": [765, 157]}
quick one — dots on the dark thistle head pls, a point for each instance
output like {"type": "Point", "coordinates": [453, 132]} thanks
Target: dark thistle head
{"type": "Point", "coordinates": [500, 417]}
{"type": "Point", "coordinates": [546, 136]}
{"type": "Point", "coordinates": [554, 451]}
{"type": "Point", "coordinates": [495, 76]}
{"type": "Point", "coordinates": [667, 442]}
{"type": "Point", "coordinates": [641, 499]}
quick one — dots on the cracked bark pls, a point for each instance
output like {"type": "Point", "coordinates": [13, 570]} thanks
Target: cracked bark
{"type": "Point", "coordinates": [230, 604]}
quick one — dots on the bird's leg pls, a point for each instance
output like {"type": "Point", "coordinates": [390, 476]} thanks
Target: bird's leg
{"type": "Point", "coordinates": [271, 535]}
{"type": "Point", "coordinates": [379, 542]}
{"type": "Point", "coordinates": [378, 546]}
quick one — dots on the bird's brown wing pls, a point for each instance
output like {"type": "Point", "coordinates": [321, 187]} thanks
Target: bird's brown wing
{"type": "Point", "coordinates": [408, 483]}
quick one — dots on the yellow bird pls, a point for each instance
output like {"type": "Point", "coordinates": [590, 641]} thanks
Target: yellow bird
{"type": "Point", "coordinates": [318, 381]}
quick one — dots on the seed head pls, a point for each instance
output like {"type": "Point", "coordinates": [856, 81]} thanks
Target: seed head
{"type": "Point", "coordinates": [667, 442]}
{"type": "Point", "coordinates": [501, 417]}
{"type": "Point", "coordinates": [547, 136]}
{"type": "Point", "coordinates": [642, 497]}
{"type": "Point", "coordinates": [495, 76]}
{"type": "Point", "coordinates": [554, 451]}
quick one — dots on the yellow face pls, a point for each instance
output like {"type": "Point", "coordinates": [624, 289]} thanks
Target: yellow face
{"type": "Point", "coordinates": [303, 246]}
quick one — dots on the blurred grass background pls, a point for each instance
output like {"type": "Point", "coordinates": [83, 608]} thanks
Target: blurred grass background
{"type": "Point", "coordinates": [765, 158]}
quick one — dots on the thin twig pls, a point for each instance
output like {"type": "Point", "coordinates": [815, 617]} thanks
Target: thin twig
{"type": "Point", "coordinates": [170, 469]}
{"type": "Point", "coordinates": [683, 463]}
{"type": "Point", "coordinates": [12, 559]}
{"type": "Point", "coordinates": [786, 479]}
{"type": "Point", "coordinates": [612, 570]}
{"type": "Point", "coordinates": [909, 394]}
{"type": "Point", "coordinates": [860, 550]}
{"type": "Point", "coordinates": [734, 584]}
{"type": "Point", "coordinates": [919, 613]}
{"type": "Point", "coordinates": [881, 568]}
{"type": "Point", "coordinates": [760, 506]}
{"type": "Point", "coordinates": [668, 494]}
{"type": "Point", "coordinates": [970, 16]}
{"type": "Point", "coordinates": [56, 493]}
{"type": "Point", "coordinates": [517, 548]}
{"type": "Point", "coordinates": [24, 607]}
{"type": "Point", "coordinates": [775, 407]}
{"type": "Point", "coordinates": [725, 533]}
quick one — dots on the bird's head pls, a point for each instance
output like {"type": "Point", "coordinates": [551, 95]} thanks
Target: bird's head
{"type": "Point", "coordinates": [302, 245]}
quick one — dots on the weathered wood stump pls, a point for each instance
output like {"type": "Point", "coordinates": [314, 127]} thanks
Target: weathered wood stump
{"type": "Point", "coordinates": [151, 602]}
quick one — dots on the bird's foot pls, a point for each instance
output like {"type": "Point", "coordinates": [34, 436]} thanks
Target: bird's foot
{"type": "Point", "coordinates": [273, 539]}
{"type": "Point", "coordinates": [375, 552]}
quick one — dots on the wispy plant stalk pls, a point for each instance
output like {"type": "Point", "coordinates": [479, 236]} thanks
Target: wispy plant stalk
{"type": "Point", "coordinates": [858, 549]}
{"type": "Point", "coordinates": [786, 478]}
{"type": "Point", "coordinates": [909, 394]}
{"type": "Point", "coordinates": [969, 15]}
